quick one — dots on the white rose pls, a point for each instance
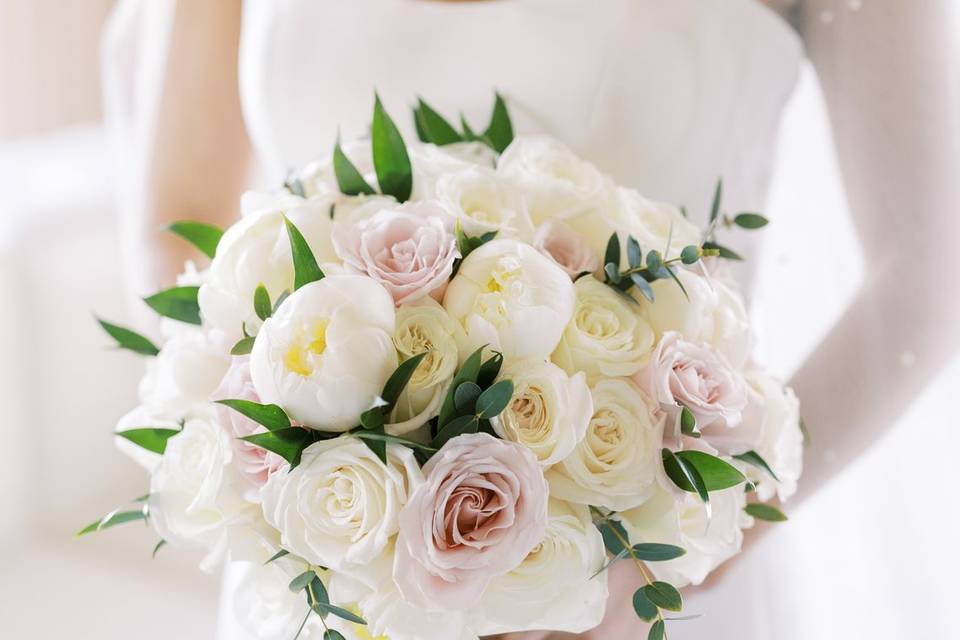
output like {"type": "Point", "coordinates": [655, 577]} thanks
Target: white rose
{"type": "Point", "coordinates": [339, 507]}
{"type": "Point", "coordinates": [483, 201]}
{"type": "Point", "coordinates": [653, 224]}
{"type": "Point", "coordinates": [196, 493]}
{"type": "Point", "coordinates": [256, 250]}
{"type": "Point", "coordinates": [615, 464]}
{"type": "Point", "coordinates": [263, 605]}
{"type": "Point", "coordinates": [607, 336]}
{"type": "Point", "coordinates": [710, 313]}
{"type": "Point", "coordinates": [423, 327]}
{"type": "Point", "coordinates": [327, 352]}
{"type": "Point", "coordinates": [680, 518]}
{"type": "Point", "coordinates": [556, 586]}
{"type": "Point", "coordinates": [549, 412]}
{"type": "Point", "coordinates": [511, 297]}
{"type": "Point", "coordinates": [184, 374]}
{"type": "Point", "coordinates": [555, 181]}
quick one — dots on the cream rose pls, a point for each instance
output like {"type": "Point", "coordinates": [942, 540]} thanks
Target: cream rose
{"type": "Point", "coordinates": [256, 250]}
{"type": "Point", "coordinates": [615, 464]}
{"type": "Point", "coordinates": [710, 313]}
{"type": "Point", "coordinates": [680, 518]}
{"type": "Point", "coordinates": [327, 352]}
{"type": "Point", "coordinates": [556, 240]}
{"type": "Point", "coordinates": [654, 224]}
{"type": "Point", "coordinates": [339, 507]}
{"type": "Point", "coordinates": [557, 586]}
{"type": "Point", "coordinates": [607, 336]}
{"type": "Point", "coordinates": [195, 493]}
{"type": "Point", "coordinates": [481, 510]}
{"type": "Point", "coordinates": [406, 249]}
{"type": "Point", "coordinates": [182, 377]}
{"type": "Point", "coordinates": [483, 201]}
{"type": "Point", "coordinates": [684, 374]}
{"type": "Point", "coordinates": [511, 297]}
{"type": "Point", "coordinates": [423, 327]}
{"type": "Point", "coordinates": [549, 411]}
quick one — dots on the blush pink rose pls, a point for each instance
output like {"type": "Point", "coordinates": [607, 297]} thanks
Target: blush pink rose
{"type": "Point", "coordinates": [694, 376]}
{"type": "Point", "coordinates": [408, 250]}
{"type": "Point", "coordinates": [481, 510]}
{"type": "Point", "coordinates": [255, 463]}
{"type": "Point", "coordinates": [566, 247]}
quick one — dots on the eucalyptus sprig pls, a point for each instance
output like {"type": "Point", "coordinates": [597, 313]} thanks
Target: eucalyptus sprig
{"type": "Point", "coordinates": [318, 600]}
{"type": "Point", "coordinates": [642, 270]}
{"type": "Point", "coordinates": [745, 220]}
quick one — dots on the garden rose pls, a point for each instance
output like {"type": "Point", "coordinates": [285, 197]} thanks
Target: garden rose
{"type": "Point", "coordinates": [327, 352]}
{"type": "Point", "coordinates": [556, 240]}
{"type": "Point", "coordinates": [406, 249]}
{"type": "Point", "coordinates": [481, 510]}
{"type": "Point", "coordinates": [549, 411]}
{"type": "Point", "coordinates": [511, 297]}
{"type": "Point", "coordinates": [615, 464]}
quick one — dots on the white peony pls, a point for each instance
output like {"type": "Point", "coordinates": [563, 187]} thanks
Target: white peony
{"type": "Point", "coordinates": [615, 464]}
{"type": "Point", "coordinates": [327, 352]}
{"type": "Point", "coordinates": [196, 493]}
{"type": "Point", "coordinates": [339, 507]}
{"type": "Point", "coordinates": [511, 297]}
{"type": "Point", "coordinates": [483, 201]}
{"type": "Point", "coordinates": [607, 336]}
{"type": "Point", "coordinates": [423, 327]}
{"type": "Point", "coordinates": [549, 412]}
{"type": "Point", "coordinates": [256, 250]}
{"type": "Point", "coordinates": [710, 313]}
{"type": "Point", "coordinates": [673, 517]}
{"type": "Point", "coordinates": [182, 377]}
{"type": "Point", "coordinates": [556, 587]}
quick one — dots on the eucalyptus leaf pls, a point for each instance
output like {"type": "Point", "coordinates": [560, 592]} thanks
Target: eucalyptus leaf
{"type": "Point", "coordinates": [750, 221]}
{"type": "Point", "coordinates": [340, 612]}
{"type": "Point", "coordinates": [269, 415]}
{"type": "Point", "coordinates": [500, 130]}
{"type": "Point", "coordinates": [645, 289]}
{"type": "Point", "coordinates": [465, 397]}
{"type": "Point", "coordinates": [349, 179]}
{"type": "Point", "coordinates": [469, 372]}
{"type": "Point", "coordinates": [333, 634]}
{"type": "Point", "coordinates": [390, 159]}
{"type": "Point", "coordinates": [243, 346]}
{"type": "Point", "coordinates": [690, 254]}
{"type": "Point", "coordinates": [115, 518]}
{"type": "Point", "coordinates": [160, 545]}
{"type": "Point", "coordinates": [753, 458]}
{"type": "Point", "coordinates": [456, 427]}
{"type": "Point", "coordinates": [664, 595]}
{"type": "Point", "coordinates": [657, 552]}
{"type": "Point", "coordinates": [765, 512]}
{"type": "Point", "coordinates": [495, 399]}
{"type": "Point", "coordinates": [634, 254]}
{"type": "Point", "coordinates": [281, 299]}
{"type": "Point", "coordinates": [612, 254]}
{"type": "Point", "coordinates": [300, 583]}
{"type": "Point", "coordinates": [435, 127]}
{"type": "Point", "coordinates": [717, 197]}
{"type": "Point", "coordinates": [657, 630]}
{"type": "Point", "coordinates": [179, 303]}
{"type": "Point", "coordinates": [129, 340]}
{"type": "Point", "coordinates": [613, 272]}
{"type": "Point", "coordinates": [654, 261]}
{"type": "Point", "coordinates": [317, 593]}
{"type": "Point", "coordinates": [152, 439]}
{"type": "Point", "coordinates": [305, 267]}
{"type": "Point", "coordinates": [277, 556]}
{"type": "Point", "coordinates": [261, 302]}
{"type": "Point", "coordinates": [614, 536]}
{"type": "Point", "coordinates": [644, 609]}
{"type": "Point", "coordinates": [673, 276]}
{"type": "Point", "coordinates": [204, 237]}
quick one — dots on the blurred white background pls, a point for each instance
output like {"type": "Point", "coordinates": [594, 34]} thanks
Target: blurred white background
{"type": "Point", "coordinates": [842, 567]}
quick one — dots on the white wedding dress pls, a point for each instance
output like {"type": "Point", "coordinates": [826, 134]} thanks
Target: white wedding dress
{"type": "Point", "coordinates": [665, 95]}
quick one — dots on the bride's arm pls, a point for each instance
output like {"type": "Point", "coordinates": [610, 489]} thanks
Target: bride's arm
{"type": "Point", "coordinates": [890, 74]}
{"type": "Point", "coordinates": [185, 149]}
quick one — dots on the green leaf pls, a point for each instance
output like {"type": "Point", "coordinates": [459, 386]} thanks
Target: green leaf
{"type": "Point", "coordinates": [160, 545]}
{"type": "Point", "coordinates": [717, 197]}
{"type": "Point", "coordinates": [657, 552]}
{"type": "Point", "coordinates": [333, 634]}
{"type": "Point", "coordinates": [469, 372]}
{"type": "Point", "coordinates": [465, 397]}
{"type": "Point", "coordinates": [500, 130]}
{"type": "Point", "coordinates": [261, 302]}
{"type": "Point", "coordinates": [305, 267]}
{"type": "Point", "coordinates": [612, 254]}
{"type": "Point", "coordinates": [664, 595]}
{"type": "Point", "coordinates": [349, 180]}
{"type": "Point", "coordinates": [688, 422]}
{"type": "Point", "coordinates": [281, 299]}
{"type": "Point", "coordinates": [149, 438]}
{"type": "Point", "coordinates": [375, 436]}
{"type": "Point", "coordinates": [377, 445]}
{"type": "Point", "coordinates": [725, 252]}
{"type": "Point", "coordinates": [300, 583]}
{"type": "Point", "coordinates": [179, 303]}
{"type": "Point", "coordinates": [468, 133]}
{"type": "Point", "coordinates": [243, 347]}
{"type": "Point", "coordinates": [612, 272]}
{"type": "Point", "coordinates": [495, 399]}
{"type": "Point", "coordinates": [399, 380]}
{"type": "Point", "coordinates": [634, 254]}
{"type": "Point", "coordinates": [317, 594]}
{"type": "Point", "coordinates": [390, 159]}
{"type": "Point", "coordinates": [341, 613]}
{"type": "Point", "coordinates": [754, 458]}
{"type": "Point", "coordinates": [115, 518]}
{"type": "Point", "coordinates": [717, 474]}
{"type": "Point", "coordinates": [294, 185]}
{"type": "Point", "coordinates": [373, 418]}
{"type": "Point", "coordinates": [130, 340]}
{"type": "Point", "coordinates": [684, 475]}
{"type": "Point", "coordinates": [643, 285]}
{"type": "Point", "coordinates": [269, 415]}
{"type": "Point", "coordinates": [277, 556]}
{"type": "Point", "coordinates": [750, 221]}
{"type": "Point", "coordinates": [803, 430]}
{"type": "Point", "coordinates": [204, 237]}
{"type": "Point", "coordinates": [418, 125]}
{"type": "Point", "coordinates": [654, 261]}
{"type": "Point", "coordinates": [690, 254]}
{"type": "Point", "coordinates": [490, 369]}
{"type": "Point", "coordinates": [765, 512]}
{"type": "Point", "coordinates": [435, 128]}
{"type": "Point", "coordinates": [286, 443]}
{"type": "Point", "coordinates": [610, 562]}
{"type": "Point", "coordinates": [645, 609]}
{"type": "Point", "coordinates": [614, 536]}
{"type": "Point", "coordinates": [657, 630]}
{"type": "Point", "coordinates": [456, 427]}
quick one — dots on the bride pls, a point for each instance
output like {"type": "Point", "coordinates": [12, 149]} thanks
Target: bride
{"type": "Point", "coordinates": [209, 96]}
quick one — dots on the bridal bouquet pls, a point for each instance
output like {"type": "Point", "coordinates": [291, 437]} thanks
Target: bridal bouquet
{"type": "Point", "coordinates": [434, 392]}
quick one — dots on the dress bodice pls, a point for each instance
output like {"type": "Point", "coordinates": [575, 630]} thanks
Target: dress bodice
{"type": "Point", "coordinates": [664, 96]}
